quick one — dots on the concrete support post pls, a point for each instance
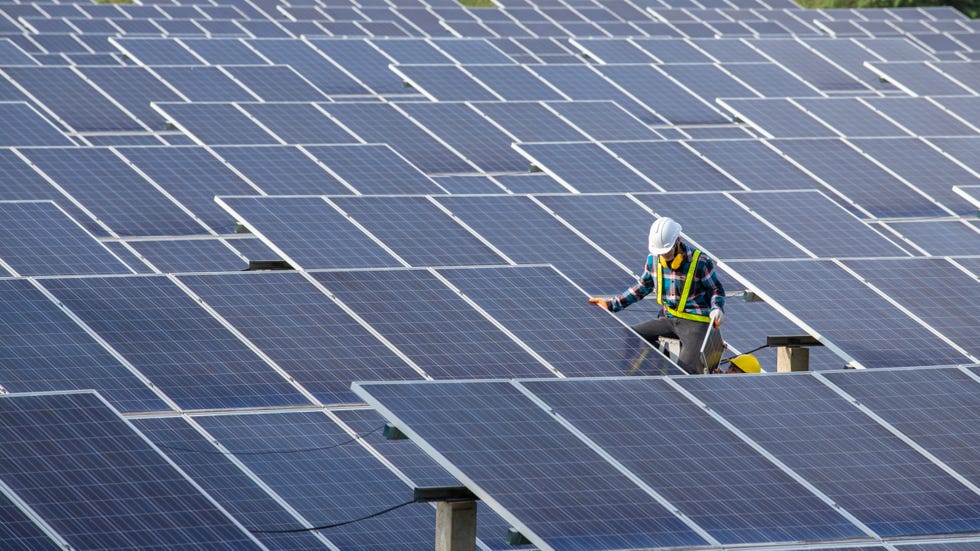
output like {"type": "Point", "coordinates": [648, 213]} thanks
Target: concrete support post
{"type": "Point", "coordinates": [792, 358]}
{"type": "Point", "coordinates": [456, 526]}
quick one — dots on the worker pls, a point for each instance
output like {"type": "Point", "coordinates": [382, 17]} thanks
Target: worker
{"type": "Point", "coordinates": [687, 288]}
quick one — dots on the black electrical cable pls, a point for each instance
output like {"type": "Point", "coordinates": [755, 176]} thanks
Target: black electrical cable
{"type": "Point", "coordinates": [334, 525]}
{"type": "Point", "coordinates": [271, 452]}
{"type": "Point", "coordinates": [744, 353]}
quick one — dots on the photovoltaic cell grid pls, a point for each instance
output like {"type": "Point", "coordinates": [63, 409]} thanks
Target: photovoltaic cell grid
{"type": "Point", "coordinates": [374, 169]}
{"type": "Point", "coordinates": [23, 126]}
{"type": "Point", "coordinates": [116, 490]}
{"type": "Point", "coordinates": [584, 167]}
{"type": "Point", "coordinates": [188, 255]}
{"type": "Point", "coordinates": [280, 170]}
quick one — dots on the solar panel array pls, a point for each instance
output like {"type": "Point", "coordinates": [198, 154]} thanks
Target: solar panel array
{"type": "Point", "coordinates": [439, 189]}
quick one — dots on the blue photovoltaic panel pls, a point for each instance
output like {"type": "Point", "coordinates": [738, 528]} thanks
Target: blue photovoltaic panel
{"type": "Point", "coordinates": [128, 256]}
{"type": "Point", "coordinates": [469, 184]}
{"type": "Point", "coordinates": [11, 54]}
{"type": "Point", "coordinates": [936, 408]}
{"type": "Point", "coordinates": [921, 117]}
{"type": "Point", "coordinates": [514, 82]}
{"type": "Point", "coordinates": [444, 82]}
{"type": "Point", "coordinates": [590, 215]}
{"type": "Point", "coordinates": [753, 164]}
{"type": "Point", "coordinates": [923, 167]}
{"type": "Point", "coordinates": [174, 342]}
{"type": "Point", "coordinates": [601, 345]}
{"type": "Point", "coordinates": [867, 471]}
{"type": "Point", "coordinates": [156, 51]}
{"type": "Point", "coordinates": [850, 57]}
{"type": "Point", "coordinates": [113, 192]}
{"type": "Point", "coordinates": [584, 167]}
{"type": "Point", "coordinates": [685, 456]}
{"type": "Point", "coordinates": [612, 50]}
{"type": "Point", "coordinates": [252, 247]}
{"type": "Point", "coordinates": [671, 51]}
{"type": "Point", "coordinates": [603, 120]}
{"type": "Point", "coordinates": [134, 88]}
{"type": "Point", "coordinates": [37, 238]}
{"type": "Point", "coordinates": [311, 338]}
{"type": "Point", "coordinates": [858, 179]}
{"type": "Point", "coordinates": [42, 349]}
{"type": "Point", "coordinates": [193, 177]}
{"type": "Point", "coordinates": [339, 482]}
{"type": "Point", "coordinates": [529, 121]}
{"type": "Point", "coordinates": [298, 123]}
{"type": "Point", "coordinates": [374, 169]}
{"type": "Point", "coordinates": [800, 214]}
{"type": "Point", "coordinates": [963, 72]}
{"type": "Point", "coordinates": [850, 117]}
{"type": "Point", "coordinates": [777, 118]}
{"type": "Point", "coordinates": [189, 255]}
{"type": "Point", "coordinates": [807, 64]}
{"type": "Point", "coordinates": [468, 133]}
{"type": "Point", "coordinates": [941, 237]}
{"type": "Point", "coordinates": [662, 95]}
{"type": "Point", "coordinates": [113, 140]}
{"type": "Point", "coordinates": [381, 123]}
{"type": "Point", "coordinates": [471, 51]}
{"type": "Point", "coordinates": [770, 80]}
{"type": "Point", "coordinates": [873, 331]}
{"type": "Point", "coordinates": [309, 232]}
{"type": "Point", "coordinates": [944, 308]}
{"type": "Point", "coordinates": [216, 123]}
{"type": "Point", "coordinates": [98, 483]}
{"type": "Point", "coordinates": [967, 107]}
{"type": "Point", "coordinates": [531, 182]}
{"type": "Point", "coordinates": [203, 84]}
{"type": "Point", "coordinates": [276, 83]}
{"type": "Point", "coordinates": [232, 488]}
{"type": "Point", "coordinates": [951, 546]}
{"type": "Point", "coordinates": [365, 63]}
{"type": "Point", "coordinates": [537, 478]}
{"type": "Point", "coordinates": [730, 233]}
{"type": "Point", "coordinates": [918, 78]}
{"type": "Point", "coordinates": [72, 99]}
{"type": "Point", "coordinates": [20, 533]}
{"type": "Point", "coordinates": [418, 231]}
{"type": "Point", "coordinates": [279, 170]}
{"type": "Point", "coordinates": [410, 50]}
{"type": "Point", "coordinates": [582, 82]}
{"type": "Point", "coordinates": [218, 51]}
{"type": "Point", "coordinates": [528, 234]}
{"type": "Point", "coordinates": [311, 63]}
{"type": "Point", "coordinates": [431, 324]}
{"type": "Point", "coordinates": [23, 126]}
{"type": "Point", "coordinates": [708, 81]}
{"type": "Point", "coordinates": [728, 50]}
{"type": "Point", "coordinates": [672, 166]}
{"type": "Point", "coordinates": [964, 150]}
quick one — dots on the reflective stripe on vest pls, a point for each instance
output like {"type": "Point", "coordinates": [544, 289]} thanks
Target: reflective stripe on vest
{"type": "Point", "coordinates": [688, 280]}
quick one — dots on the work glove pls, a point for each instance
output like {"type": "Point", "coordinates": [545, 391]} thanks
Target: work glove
{"type": "Point", "coordinates": [717, 316]}
{"type": "Point", "coordinates": [601, 303]}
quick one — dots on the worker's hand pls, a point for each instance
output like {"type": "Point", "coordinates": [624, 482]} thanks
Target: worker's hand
{"type": "Point", "coordinates": [717, 316]}
{"type": "Point", "coordinates": [601, 303]}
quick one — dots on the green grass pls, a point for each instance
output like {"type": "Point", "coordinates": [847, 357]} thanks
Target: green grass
{"type": "Point", "coordinates": [477, 3]}
{"type": "Point", "coordinates": [970, 7]}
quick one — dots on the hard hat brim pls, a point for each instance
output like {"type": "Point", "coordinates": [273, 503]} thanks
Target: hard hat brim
{"type": "Point", "coordinates": [658, 252]}
{"type": "Point", "coordinates": [746, 363]}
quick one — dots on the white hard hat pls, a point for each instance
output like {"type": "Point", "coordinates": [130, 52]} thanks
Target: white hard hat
{"type": "Point", "coordinates": [663, 234]}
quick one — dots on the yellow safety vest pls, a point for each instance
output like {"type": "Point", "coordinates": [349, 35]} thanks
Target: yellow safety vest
{"type": "Point", "coordinates": [688, 280]}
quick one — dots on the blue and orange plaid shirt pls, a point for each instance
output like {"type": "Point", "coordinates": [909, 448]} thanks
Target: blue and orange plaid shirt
{"type": "Point", "coordinates": [706, 293]}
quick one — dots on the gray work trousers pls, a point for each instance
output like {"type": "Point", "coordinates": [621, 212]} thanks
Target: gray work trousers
{"type": "Point", "coordinates": [690, 332]}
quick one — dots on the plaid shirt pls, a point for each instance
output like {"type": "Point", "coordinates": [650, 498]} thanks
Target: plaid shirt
{"type": "Point", "coordinates": [706, 289]}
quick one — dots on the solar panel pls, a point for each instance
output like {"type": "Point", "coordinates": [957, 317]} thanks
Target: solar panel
{"type": "Point", "coordinates": [708, 81]}
{"type": "Point", "coordinates": [731, 232]}
{"type": "Point", "coordinates": [215, 123]}
{"type": "Point", "coordinates": [795, 56]}
{"type": "Point", "coordinates": [311, 63]}
{"type": "Point", "coordinates": [363, 484]}
{"type": "Point", "coordinates": [753, 164]}
{"type": "Point", "coordinates": [963, 150]}
{"type": "Point", "coordinates": [611, 50]}
{"type": "Point", "coordinates": [545, 466]}
{"type": "Point", "coordinates": [275, 83]}
{"type": "Point", "coordinates": [943, 309]}
{"type": "Point", "coordinates": [966, 107]}
{"type": "Point", "coordinates": [444, 82]}
{"type": "Point", "coordinates": [962, 72]}
{"type": "Point", "coordinates": [921, 117]}
{"type": "Point", "coordinates": [940, 237]}
{"type": "Point", "coordinates": [849, 117]}
{"type": "Point", "coordinates": [529, 121]}
{"type": "Point", "coordinates": [73, 100]}
{"type": "Point", "coordinates": [173, 341]}
{"type": "Point", "coordinates": [796, 214]}
{"type": "Point", "coordinates": [776, 118]}
{"type": "Point", "coordinates": [432, 325]}
{"type": "Point", "coordinates": [468, 133]}
{"type": "Point", "coordinates": [923, 167]}
{"type": "Point", "coordinates": [114, 491]}
{"type": "Point", "coordinates": [592, 215]}
{"type": "Point", "coordinates": [603, 120]}
{"type": "Point", "coordinates": [726, 50]}
{"type": "Point", "coordinates": [470, 51]}
{"type": "Point", "coordinates": [851, 58]}
{"type": "Point", "coordinates": [155, 51]}
{"type": "Point", "coordinates": [38, 238]}
{"type": "Point", "coordinates": [297, 123]}
{"type": "Point", "coordinates": [514, 83]}
{"type": "Point", "coordinates": [113, 192]}
{"type": "Point", "coordinates": [584, 167]}
{"type": "Point", "coordinates": [20, 532]}
{"type": "Point", "coordinates": [917, 78]}
{"type": "Point", "coordinates": [189, 255]}
{"type": "Point", "coordinates": [602, 345]}
{"type": "Point", "coordinates": [685, 457]}
{"type": "Point", "coordinates": [308, 232]}
{"type": "Point", "coordinates": [279, 170]}
{"type": "Point", "coordinates": [373, 169]}
{"type": "Point", "coordinates": [871, 191]}
{"type": "Point", "coordinates": [410, 50]}
{"type": "Point", "coordinates": [671, 166]}
{"type": "Point", "coordinates": [581, 82]}
{"type": "Point", "coordinates": [662, 95]}
{"type": "Point", "coordinates": [867, 472]}
{"type": "Point", "coordinates": [529, 183]}
{"type": "Point", "coordinates": [671, 51]}
{"type": "Point", "coordinates": [203, 84]}
{"type": "Point", "coordinates": [365, 63]}
{"type": "Point", "coordinates": [381, 123]}
{"type": "Point", "coordinates": [770, 80]}
{"type": "Point", "coordinates": [193, 177]}
{"type": "Point", "coordinates": [23, 126]}
{"type": "Point", "coordinates": [232, 487]}
{"type": "Point", "coordinates": [313, 340]}
{"type": "Point", "coordinates": [868, 328]}
{"type": "Point", "coordinates": [218, 51]}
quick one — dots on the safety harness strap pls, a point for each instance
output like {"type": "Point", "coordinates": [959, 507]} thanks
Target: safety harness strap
{"type": "Point", "coordinates": [688, 280]}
